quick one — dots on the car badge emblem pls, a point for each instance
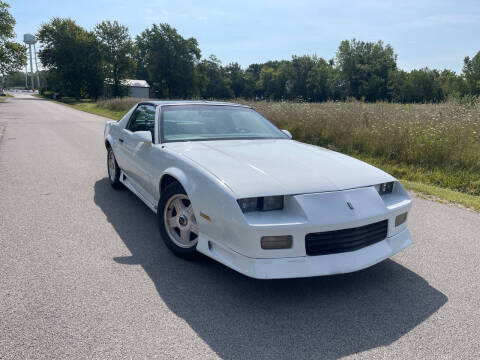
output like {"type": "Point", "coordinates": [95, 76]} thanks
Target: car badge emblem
{"type": "Point", "coordinates": [350, 205]}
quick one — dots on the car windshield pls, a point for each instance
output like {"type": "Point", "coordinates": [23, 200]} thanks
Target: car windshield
{"type": "Point", "coordinates": [215, 122]}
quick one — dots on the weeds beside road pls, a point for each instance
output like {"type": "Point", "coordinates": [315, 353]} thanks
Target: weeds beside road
{"type": "Point", "coordinates": [3, 97]}
{"type": "Point", "coordinates": [93, 107]}
{"type": "Point", "coordinates": [434, 143]}
{"type": "Point", "coordinates": [433, 148]}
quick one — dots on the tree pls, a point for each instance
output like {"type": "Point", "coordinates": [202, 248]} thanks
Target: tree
{"type": "Point", "coordinates": [451, 84]}
{"type": "Point", "coordinates": [217, 84]}
{"type": "Point", "coordinates": [117, 53]}
{"type": "Point", "coordinates": [270, 83]}
{"type": "Point", "coordinates": [252, 75]}
{"type": "Point", "coordinates": [12, 54]}
{"type": "Point", "coordinates": [471, 71]}
{"type": "Point", "coordinates": [272, 80]}
{"type": "Point", "coordinates": [73, 59]}
{"type": "Point", "coordinates": [365, 68]}
{"type": "Point", "coordinates": [15, 79]}
{"type": "Point", "coordinates": [422, 86]}
{"type": "Point", "coordinates": [295, 74]}
{"type": "Point", "coordinates": [236, 77]}
{"type": "Point", "coordinates": [319, 80]}
{"type": "Point", "coordinates": [397, 82]}
{"type": "Point", "coordinates": [167, 61]}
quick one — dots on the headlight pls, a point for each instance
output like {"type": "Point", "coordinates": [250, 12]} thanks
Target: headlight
{"type": "Point", "coordinates": [248, 205]}
{"type": "Point", "coordinates": [385, 188]}
{"type": "Point", "coordinates": [266, 203]}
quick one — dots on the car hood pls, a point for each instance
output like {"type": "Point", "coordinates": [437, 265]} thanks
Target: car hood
{"type": "Point", "coordinates": [279, 167]}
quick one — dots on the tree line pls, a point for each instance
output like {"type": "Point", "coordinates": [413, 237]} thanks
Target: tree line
{"type": "Point", "coordinates": [12, 54]}
{"type": "Point", "coordinates": [91, 63]}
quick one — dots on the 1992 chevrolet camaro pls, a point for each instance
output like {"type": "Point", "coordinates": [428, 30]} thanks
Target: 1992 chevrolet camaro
{"type": "Point", "coordinates": [225, 182]}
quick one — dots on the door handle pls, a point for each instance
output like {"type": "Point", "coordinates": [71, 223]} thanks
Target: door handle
{"type": "Point", "coordinates": [121, 140]}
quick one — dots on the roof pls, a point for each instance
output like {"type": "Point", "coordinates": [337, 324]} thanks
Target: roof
{"type": "Point", "coordinates": [193, 102]}
{"type": "Point", "coordinates": [130, 82]}
{"type": "Point", "coordinates": [135, 83]}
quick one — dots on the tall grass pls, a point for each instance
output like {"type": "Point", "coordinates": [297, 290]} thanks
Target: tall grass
{"type": "Point", "coordinates": [432, 143]}
{"type": "Point", "coordinates": [119, 104]}
{"type": "Point", "coordinates": [430, 135]}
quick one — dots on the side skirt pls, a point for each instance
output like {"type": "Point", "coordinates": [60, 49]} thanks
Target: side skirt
{"type": "Point", "coordinates": [129, 184]}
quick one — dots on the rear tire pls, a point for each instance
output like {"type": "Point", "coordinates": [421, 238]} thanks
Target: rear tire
{"type": "Point", "coordinates": [113, 170]}
{"type": "Point", "coordinates": [176, 221]}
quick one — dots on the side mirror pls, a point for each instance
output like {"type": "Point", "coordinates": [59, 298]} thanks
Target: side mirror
{"type": "Point", "coordinates": [286, 132]}
{"type": "Point", "coordinates": [142, 136]}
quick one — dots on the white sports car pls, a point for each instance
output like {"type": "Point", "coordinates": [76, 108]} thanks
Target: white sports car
{"type": "Point", "coordinates": [225, 182]}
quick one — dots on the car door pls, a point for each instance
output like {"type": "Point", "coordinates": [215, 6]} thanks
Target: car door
{"type": "Point", "coordinates": [136, 153]}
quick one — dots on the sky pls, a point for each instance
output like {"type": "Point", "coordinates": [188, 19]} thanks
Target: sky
{"type": "Point", "coordinates": [433, 33]}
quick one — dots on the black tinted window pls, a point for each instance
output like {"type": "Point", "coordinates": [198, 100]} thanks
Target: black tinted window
{"type": "Point", "coordinates": [143, 119]}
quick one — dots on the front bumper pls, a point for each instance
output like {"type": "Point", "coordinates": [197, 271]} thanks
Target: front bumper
{"type": "Point", "coordinates": [307, 266]}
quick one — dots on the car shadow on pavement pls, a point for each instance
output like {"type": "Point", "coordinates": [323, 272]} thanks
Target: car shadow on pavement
{"type": "Point", "coordinates": [238, 317]}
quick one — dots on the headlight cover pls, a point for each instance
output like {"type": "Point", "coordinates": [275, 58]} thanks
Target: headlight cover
{"type": "Point", "coordinates": [266, 203]}
{"type": "Point", "coordinates": [385, 188]}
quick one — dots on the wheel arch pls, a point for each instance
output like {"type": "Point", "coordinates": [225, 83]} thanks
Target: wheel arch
{"type": "Point", "coordinates": [172, 175]}
{"type": "Point", "coordinates": [108, 141]}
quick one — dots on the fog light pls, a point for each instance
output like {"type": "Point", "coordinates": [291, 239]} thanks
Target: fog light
{"type": "Point", "coordinates": [277, 242]}
{"type": "Point", "coordinates": [400, 219]}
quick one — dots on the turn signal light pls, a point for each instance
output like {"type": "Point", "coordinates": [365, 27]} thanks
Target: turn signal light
{"type": "Point", "coordinates": [400, 219]}
{"type": "Point", "coordinates": [277, 242]}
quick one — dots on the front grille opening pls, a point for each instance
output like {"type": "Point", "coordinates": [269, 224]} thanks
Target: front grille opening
{"type": "Point", "coordinates": [345, 240]}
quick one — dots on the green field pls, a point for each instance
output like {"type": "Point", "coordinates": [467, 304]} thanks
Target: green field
{"type": "Point", "coordinates": [433, 148]}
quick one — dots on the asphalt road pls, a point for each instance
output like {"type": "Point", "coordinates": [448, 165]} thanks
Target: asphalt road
{"type": "Point", "coordinates": [83, 273]}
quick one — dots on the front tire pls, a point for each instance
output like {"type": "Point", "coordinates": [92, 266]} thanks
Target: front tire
{"type": "Point", "coordinates": [113, 170]}
{"type": "Point", "coordinates": [177, 223]}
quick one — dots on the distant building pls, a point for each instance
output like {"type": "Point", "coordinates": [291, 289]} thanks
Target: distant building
{"type": "Point", "coordinates": [137, 88]}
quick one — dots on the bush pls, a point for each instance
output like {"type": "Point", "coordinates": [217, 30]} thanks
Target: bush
{"type": "Point", "coordinates": [47, 94]}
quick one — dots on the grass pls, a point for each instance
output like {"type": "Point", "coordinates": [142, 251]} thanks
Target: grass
{"type": "Point", "coordinates": [95, 108]}
{"type": "Point", "coordinates": [434, 149]}
{"type": "Point", "coordinates": [436, 144]}
{"type": "Point", "coordinates": [119, 104]}
{"type": "Point", "coordinates": [6, 96]}
{"type": "Point", "coordinates": [110, 108]}
{"type": "Point", "coordinates": [89, 106]}
{"type": "Point", "coordinates": [443, 195]}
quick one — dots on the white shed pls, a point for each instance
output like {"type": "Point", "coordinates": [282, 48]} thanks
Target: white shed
{"type": "Point", "coordinates": [137, 88]}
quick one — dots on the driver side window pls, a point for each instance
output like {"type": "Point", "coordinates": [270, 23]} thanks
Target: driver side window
{"type": "Point", "coordinates": [143, 119]}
